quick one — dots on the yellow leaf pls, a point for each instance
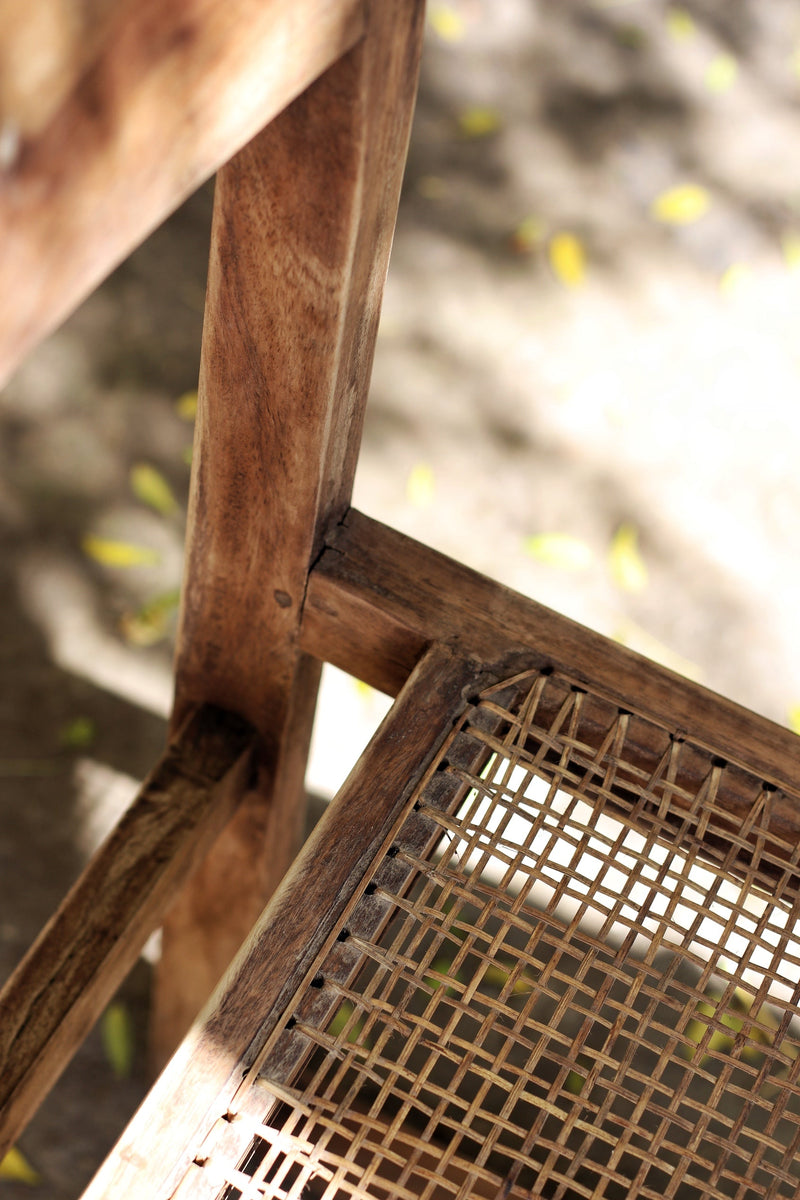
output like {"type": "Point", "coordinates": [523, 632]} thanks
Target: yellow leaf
{"type": "Point", "coordinates": [680, 25]}
{"type": "Point", "coordinates": [420, 486]}
{"type": "Point", "coordinates": [150, 486]}
{"type": "Point", "coordinates": [16, 1167]}
{"type": "Point", "coordinates": [735, 280]}
{"type": "Point", "coordinates": [790, 246]}
{"type": "Point", "coordinates": [568, 259]}
{"type": "Point", "coordinates": [447, 23]}
{"type": "Point", "coordinates": [625, 563]}
{"type": "Point", "coordinates": [560, 550]}
{"type": "Point", "coordinates": [186, 406]}
{"type": "Point", "coordinates": [794, 718]}
{"type": "Point", "coordinates": [118, 1039]}
{"type": "Point", "coordinates": [721, 73]}
{"type": "Point", "coordinates": [479, 122]}
{"type": "Point", "coordinates": [681, 205]}
{"type": "Point", "coordinates": [111, 553]}
{"type": "Point", "coordinates": [528, 235]}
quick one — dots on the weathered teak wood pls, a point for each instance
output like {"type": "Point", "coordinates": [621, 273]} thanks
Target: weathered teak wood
{"type": "Point", "coordinates": [62, 985]}
{"type": "Point", "coordinates": [136, 104]}
{"type": "Point", "coordinates": [376, 598]}
{"type": "Point", "coordinates": [199, 1086]}
{"type": "Point", "coordinates": [303, 224]}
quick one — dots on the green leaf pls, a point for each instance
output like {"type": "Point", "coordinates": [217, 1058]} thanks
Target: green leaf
{"type": "Point", "coordinates": [15, 1166]}
{"type": "Point", "coordinates": [340, 1019]}
{"type": "Point", "coordinates": [150, 486]}
{"type": "Point", "coordinates": [78, 733]}
{"type": "Point", "coordinates": [559, 550]}
{"type": "Point", "coordinates": [574, 1083]}
{"type": "Point", "coordinates": [111, 553]}
{"type": "Point", "coordinates": [118, 1039]}
{"type": "Point", "coordinates": [528, 235]}
{"type": "Point", "coordinates": [442, 967]}
{"type": "Point", "coordinates": [150, 623]}
{"type": "Point", "coordinates": [625, 563]}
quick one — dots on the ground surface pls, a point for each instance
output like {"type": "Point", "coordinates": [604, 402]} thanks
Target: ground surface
{"type": "Point", "coordinates": [638, 374]}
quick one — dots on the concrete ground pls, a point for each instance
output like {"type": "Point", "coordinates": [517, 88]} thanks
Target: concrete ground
{"type": "Point", "coordinates": [585, 386]}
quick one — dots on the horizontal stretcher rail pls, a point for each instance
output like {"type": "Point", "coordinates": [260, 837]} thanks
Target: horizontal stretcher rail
{"type": "Point", "coordinates": [377, 598]}
{"type": "Point", "coordinates": [74, 967]}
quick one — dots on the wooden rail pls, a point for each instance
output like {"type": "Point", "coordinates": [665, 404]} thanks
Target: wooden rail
{"type": "Point", "coordinates": [66, 979]}
{"type": "Point", "coordinates": [376, 599]}
{"type": "Point", "coordinates": [112, 113]}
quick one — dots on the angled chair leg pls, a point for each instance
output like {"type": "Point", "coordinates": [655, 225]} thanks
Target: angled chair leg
{"type": "Point", "coordinates": [304, 218]}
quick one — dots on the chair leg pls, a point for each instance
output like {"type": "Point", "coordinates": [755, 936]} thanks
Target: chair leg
{"type": "Point", "coordinates": [302, 229]}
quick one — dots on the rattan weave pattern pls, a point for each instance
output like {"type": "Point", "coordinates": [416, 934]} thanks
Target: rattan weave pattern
{"type": "Point", "coordinates": [573, 973]}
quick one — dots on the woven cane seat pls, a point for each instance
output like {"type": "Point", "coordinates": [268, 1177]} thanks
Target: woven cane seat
{"type": "Point", "coordinates": [570, 970]}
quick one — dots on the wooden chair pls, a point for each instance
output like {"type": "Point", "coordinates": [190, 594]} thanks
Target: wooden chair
{"type": "Point", "coordinates": [543, 941]}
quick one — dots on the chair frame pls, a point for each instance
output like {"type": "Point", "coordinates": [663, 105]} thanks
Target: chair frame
{"type": "Point", "coordinates": [281, 575]}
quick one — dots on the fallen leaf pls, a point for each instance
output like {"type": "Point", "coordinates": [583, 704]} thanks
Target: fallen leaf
{"type": "Point", "coordinates": [735, 280]}
{"type": "Point", "coordinates": [680, 24]}
{"type": "Point", "coordinates": [118, 1039]}
{"type": "Point", "coordinates": [447, 23]}
{"type": "Point", "coordinates": [528, 235]}
{"type": "Point", "coordinates": [78, 733]}
{"type": "Point", "coordinates": [150, 486]}
{"type": "Point", "coordinates": [794, 718]}
{"type": "Point", "coordinates": [560, 550]}
{"type": "Point", "coordinates": [625, 563]}
{"type": "Point", "coordinates": [431, 187]}
{"type": "Point", "coordinates": [442, 968]}
{"type": "Point", "coordinates": [721, 73]}
{"type": "Point", "coordinates": [574, 1083]}
{"type": "Point", "coordinates": [568, 259]}
{"type": "Point", "coordinates": [479, 122]}
{"type": "Point", "coordinates": [681, 205]}
{"type": "Point", "coordinates": [790, 248]}
{"type": "Point", "coordinates": [340, 1020]}
{"type": "Point", "coordinates": [15, 1166]}
{"type": "Point", "coordinates": [420, 487]}
{"type": "Point", "coordinates": [150, 623]}
{"type": "Point", "coordinates": [186, 406]}
{"type": "Point", "coordinates": [111, 553]}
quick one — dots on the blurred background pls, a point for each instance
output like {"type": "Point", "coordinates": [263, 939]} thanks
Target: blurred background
{"type": "Point", "coordinates": [585, 386]}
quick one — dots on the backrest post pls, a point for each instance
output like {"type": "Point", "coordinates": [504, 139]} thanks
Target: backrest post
{"type": "Point", "coordinates": [303, 223]}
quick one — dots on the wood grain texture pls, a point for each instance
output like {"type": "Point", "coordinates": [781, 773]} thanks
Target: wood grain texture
{"type": "Point", "coordinates": [376, 598]}
{"type": "Point", "coordinates": [201, 1085]}
{"type": "Point", "coordinates": [127, 108]}
{"type": "Point", "coordinates": [207, 923]}
{"type": "Point", "coordinates": [302, 229]}
{"type": "Point", "coordinates": [64, 982]}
